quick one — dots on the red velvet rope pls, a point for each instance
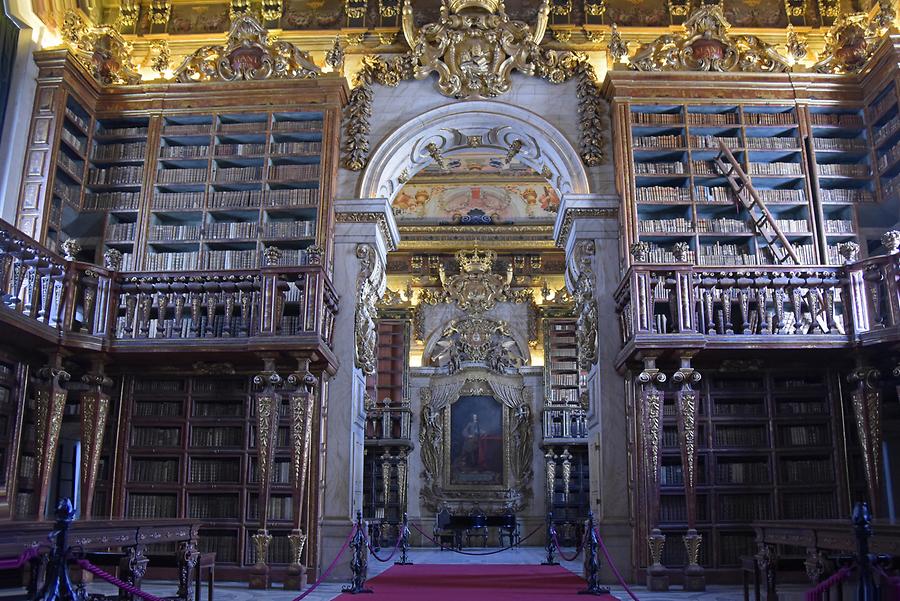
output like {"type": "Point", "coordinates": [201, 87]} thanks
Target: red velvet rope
{"type": "Point", "coordinates": [560, 551]}
{"type": "Point", "coordinates": [330, 567]}
{"type": "Point", "coordinates": [375, 555]}
{"type": "Point", "coordinates": [527, 536]}
{"type": "Point", "coordinates": [26, 556]}
{"type": "Point", "coordinates": [612, 566]}
{"type": "Point", "coordinates": [815, 594]}
{"type": "Point", "coordinates": [86, 565]}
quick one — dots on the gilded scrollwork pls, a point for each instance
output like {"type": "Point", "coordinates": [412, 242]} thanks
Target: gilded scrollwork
{"type": "Point", "coordinates": [476, 288]}
{"type": "Point", "coordinates": [852, 39]}
{"type": "Point", "coordinates": [687, 406]}
{"type": "Point", "coordinates": [369, 281]}
{"type": "Point", "coordinates": [586, 312]}
{"type": "Point", "coordinates": [102, 50]}
{"type": "Point", "coordinates": [248, 54]}
{"type": "Point", "coordinates": [866, 400]}
{"type": "Point", "coordinates": [477, 340]}
{"type": "Point", "coordinates": [706, 45]}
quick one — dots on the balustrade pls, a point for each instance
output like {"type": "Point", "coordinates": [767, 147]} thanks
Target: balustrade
{"type": "Point", "coordinates": [874, 288]}
{"type": "Point", "coordinates": [388, 421]}
{"type": "Point", "coordinates": [81, 300]}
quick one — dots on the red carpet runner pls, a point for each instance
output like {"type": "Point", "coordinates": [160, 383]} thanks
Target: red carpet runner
{"type": "Point", "coordinates": [476, 583]}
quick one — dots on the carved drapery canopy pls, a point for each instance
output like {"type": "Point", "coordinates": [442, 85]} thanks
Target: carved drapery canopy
{"type": "Point", "coordinates": [477, 340]}
{"type": "Point", "coordinates": [248, 54]}
{"type": "Point", "coordinates": [514, 492]}
{"type": "Point", "coordinates": [706, 45]}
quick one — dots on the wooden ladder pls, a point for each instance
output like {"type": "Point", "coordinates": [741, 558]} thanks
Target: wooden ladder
{"type": "Point", "coordinates": [760, 218]}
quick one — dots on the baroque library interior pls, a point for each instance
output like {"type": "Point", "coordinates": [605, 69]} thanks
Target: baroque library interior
{"type": "Point", "coordinates": [537, 297]}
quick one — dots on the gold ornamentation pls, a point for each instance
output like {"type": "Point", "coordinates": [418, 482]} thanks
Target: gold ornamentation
{"type": "Point", "coordinates": [387, 38]}
{"type": "Point", "coordinates": [159, 56]}
{"type": "Point", "coordinates": [368, 282]}
{"type": "Point", "coordinates": [271, 256]}
{"type": "Point", "coordinates": [866, 399]}
{"type": "Point", "coordinates": [595, 8]}
{"type": "Point", "coordinates": [355, 9]}
{"type": "Point", "coordinates": [572, 214]}
{"type": "Point", "coordinates": [474, 52]}
{"type": "Point", "coordinates": [112, 259]}
{"type": "Point", "coordinates": [386, 477]}
{"type": "Point", "coordinates": [560, 36]}
{"type": "Point", "coordinates": [849, 251]}
{"type": "Point", "coordinates": [297, 541]}
{"type": "Point", "coordinates": [550, 457]}
{"type": "Point", "coordinates": [70, 247]}
{"type": "Point", "coordinates": [706, 45]}
{"type": "Point", "coordinates": [388, 11]}
{"type": "Point", "coordinates": [692, 542]}
{"type": "Point", "coordinates": [593, 36]}
{"type": "Point", "coordinates": [795, 9]}
{"type": "Point", "coordinates": [649, 378]}
{"type": "Point", "coordinates": [681, 251]}
{"type": "Point", "coordinates": [129, 10]}
{"type": "Point", "coordinates": [849, 43]}
{"type": "Point", "coordinates": [657, 542]}
{"type": "Point", "coordinates": [587, 320]}
{"type": "Point", "coordinates": [238, 8]}
{"type": "Point", "coordinates": [160, 11]}
{"type": "Point", "coordinates": [640, 252]}
{"type": "Point", "coordinates": [402, 479]}
{"type": "Point", "coordinates": [679, 8]}
{"type": "Point", "coordinates": [566, 472]}
{"type": "Point", "coordinates": [687, 433]}
{"type": "Point", "coordinates": [890, 240]}
{"type": "Point", "coordinates": [94, 411]}
{"type": "Point", "coordinates": [476, 288]}
{"type": "Point", "coordinates": [355, 39]}
{"type": "Point", "coordinates": [267, 405]}
{"type": "Point", "coordinates": [49, 405]}
{"type": "Point", "coordinates": [102, 50]}
{"type": "Point", "coordinates": [829, 9]}
{"type": "Point", "coordinates": [334, 58]}
{"type": "Point", "coordinates": [261, 541]}
{"type": "Point", "coordinates": [796, 47]}
{"type": "Point", "coordinates": [366, 217]}
{"type": "Point", "coordinates": [435, 153]}
{"type": "Point", "coordinates": [477, 340]}
{"type": "Point", "coordinates": [617, 47]}
{"type": "Point", "coordinates": [514, 148]}
{"type": "Point", "coordinates": [272, 10]}
{"type": "Point", "coordinates": [561, 8]}
{"type": "Point", "coordinates": [248, 54]}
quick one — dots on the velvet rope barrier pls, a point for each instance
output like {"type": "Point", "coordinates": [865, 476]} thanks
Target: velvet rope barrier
{"type": "Point", "coordinates": [26, 556]}
{"type": "Point", "coordinates": [890, 589]}
{"type": "Point", "coordinates": [815, 594]}
{"type": "Point", "coordinates": [330, 567]}
{"type": "Point", "coordinates": [129, 588]}
{"type": "Point", "coordinates": [375, 555]}
{"type": "Point", "coordinates": [529, 535]}
{"type": "Point", "coordinates": [560, 551]}
{"type": "Point", "coordinates": [612, 566]}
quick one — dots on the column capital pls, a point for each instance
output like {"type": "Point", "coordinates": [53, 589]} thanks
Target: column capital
{"type": "Point", "coordinates": [586, 216]}
{"type": "Point", "coordinates": [352, 216]}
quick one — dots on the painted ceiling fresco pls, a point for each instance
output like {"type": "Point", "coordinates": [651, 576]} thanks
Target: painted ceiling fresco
{"type": "Point", "coordinates": [476, 189]}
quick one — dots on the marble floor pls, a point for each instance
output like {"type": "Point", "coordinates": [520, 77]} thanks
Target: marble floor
{"type": "Point", "coordinates": [235, 591]}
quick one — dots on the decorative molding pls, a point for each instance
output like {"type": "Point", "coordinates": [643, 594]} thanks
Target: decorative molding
{"type": "Point", "coordinates": [102, 50]}
{"type": "Point", "coordinates": [866, 401]}
{"type": "Point", "coordinates": [370, 217]}
{"type": "Point", "coordinates": [586, 312]}
{"type": "Point", "coordinates": [476, 339]}
{"type": "Point", "coordinates": [706, 45]}
{"type": "Point", "coordinates": [248, 54]}
{"type": "Point", "coordinates": [688, 406]}
{"type": "Point", "coordinates": [570, 215]}
{"type": "Point", "coordinates": [476, 288]}
{"type": "Point", "coordinates": [852, 40]}
{"type": "Point", "coordinates": [368, 282]}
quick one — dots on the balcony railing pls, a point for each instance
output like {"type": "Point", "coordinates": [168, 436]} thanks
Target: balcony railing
{"type": "Point", "coordinates": [771, 306]}
{"type": "Point", "coordinates": [564, 423]}
{"type": "Point", "coordinates": [89, 305]}
{"type": "Point", "coordinates": [386, 421]}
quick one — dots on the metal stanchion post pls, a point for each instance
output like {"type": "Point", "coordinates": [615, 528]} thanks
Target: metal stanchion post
{"type": "Point", "coordinates": [551, 547]}
{"type": "Point", "coordinates": [404, 543]}
{"type": "Point", "coordinates": [359, 563]}
{"type": "Point", "coordinates": [57, 584]}
{"type": "Point", "coordinates": [862, 527]}
{"type": "Point", "coordinates": [592, 561]}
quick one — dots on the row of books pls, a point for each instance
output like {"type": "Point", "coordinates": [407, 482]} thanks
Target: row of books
{"type": "Point", "coordinates": [659, 254]}
{"type": "Point", "coordinates": [882, 105]}
{"type": "Point", "coordinates": [563, 365]}
{"type": "Point", "coordinates": [27, 466]}
{"type": "Point", "coordinates": [71, 166]}
{"type": "Point", "coordinates": [217, 436]}
{"type": "Point", "coordinates": [249, 149]}
{"type": "Point", "coordinates": [153, 437]}
{"type": "Point", "coordinates": [154, 470]}
{"type": "Point", "coordinates": [121, 231]}
{"type": "Point", "coordinates": [158, 385]}
{"type": "Point", "coordinates": [217, 409]}
{"type": "Point", "coordinates": [157, 409]}
{"type": "Point", "coordinates": [641, 118]}
{"type": "Point", "coordinates": [563, 379]}
{"type": "Point", "coordinates": [172, 261]}
{"type": "Point", "coordinates": [752, 407]}
{"type": "Point", "coordinates": [809, 506]}
{"type": "Point", "coordinates": [187, 128]}
{"type": "Point", "coordinates": [804, 471]}
{"type": "Point", "coordinates": [839, 226]}
{"type": "Point", "coordinates": [659, 168]}
{"type": "Point", "coordinates": [740, 436]}
{"type": "Point", "coordinates": [184, 152]}
{"type": "Point", "coordinates": [223, 545]}
{"type": "Point", "coordinates": [713, 142]}
{"type": "Point", "coordinates": [289, 126]}
{"type": "Point", "coordinates": [793, 226]}
{"type": "Point", "coordinates": [675, 225]}
{"type": "Point", "coordinates": [116, 152]}
{"type": "Point", "coordinates": [563, 396]}
{"type": "Point", "coordinates": [801, 408]}
{"type": "Point", "coordinates": [214, 507]}
{"type": "Point", "coordinates": [178, 200]}
{"type": "Point", "coordinates": [671, 475]}
{"type": "Point", "coordinates": [24, 505]}
{"type": "Point", "coordinates": [231, 229]}
{"type": "Point", "coordinates": [289, 229]}
{"type": "Point", "coordinates": [726, 254]}
{"type": "Point", "coordinates": [754, 472]}
{"type": "Point", "coordinates": [296, 147]}
{"type": "Point", "coordinates": [733, 546]}
{"type": "Point", "coordinates": [847, 170]}
{"type": "Point", "coordinates": [280, 474]}
{"type": "Point", "coordinates": [247, 127]}
{"type": "Point", "coordinates": [180, 233]}
{"type": "Point", "coordinates": [672, 141]}
{"type": "Point", "coordinates": [744, 508]}
{"type": "Point", "coordinates": [181, 176]}
{"type": "Point", "coordinates": [840, 195]}
{"type": "Point", "coordinates": [79, 144]}
{"type": "Point", "coordinates": [212, 471]}
{"type": "Point", "coordinates": [713, 118]}
{"type": "Point", "coordinates": [151, 506]}
{"type": "Point", "coordinates": [777, 168]}
{"type": "Point", "coordinates": [113, 132]}
{"type": "Point", "coordinates": [119, 175]}
{"type": "Point", "coordinates": [773, 143]}
{"type": "Point", "coordinates": [838, 120]}
{"type": "Point", "coordinates": [804, 436]}
{"type": "Point", "coordinates": [722, 225]}
{"type": "Point", "coordinates": [114, 201]}
{"type": "Point", "coordinates": [69, 194]}
{"type": "Point", "coordinates": [786, 118]}
{"type": "Point", "coordinates": [280, 508]}
{"type": "Point", "coordinates": [887, 130]}
{"type": "Point", "coordinates": [846, 144]}
{"type": "Point", "coordinates": [888, 158]}
{"type": "Point", "coordinates": [673, 509]}
{"type": "Point", "coordinates": [231, 259]}
{"type": "Point", "coordinates": [77, 119]}
{"type": "Point", "coordinates": [239, 174]}
{"type": "Point", "coordinates": [294, 172]}
{"type": "Point", "coordinates": [662, 194]}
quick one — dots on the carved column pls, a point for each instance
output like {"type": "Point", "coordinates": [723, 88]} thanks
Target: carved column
{"type": "Point", "coordinates": [364, 233]}
{"type": "Point", "coordinates": [268, 401]}
{"type": "Point", "coordinates": [302, 398]}
{"type": "Point", "coordinates": [651, 422]}
{"type": "Point", "coordinates": [866, 399]}
{"type": "Point", "coordinates": [49, 403]}
{"type": "Point", "coordinates": [94, 411]}
{"type": "Point", "coordinates": [688, 402]}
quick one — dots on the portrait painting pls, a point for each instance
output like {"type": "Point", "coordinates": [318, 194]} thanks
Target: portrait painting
{"type": "Point", "coordinates": [476, 441]}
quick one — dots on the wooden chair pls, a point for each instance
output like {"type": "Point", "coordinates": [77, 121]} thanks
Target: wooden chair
{"type": "Point", "coordinates": [442, 532]}
{"type": "Point", "coordinates": [478, 529]}
{"type": "Point", "coordinates": [509, 529]}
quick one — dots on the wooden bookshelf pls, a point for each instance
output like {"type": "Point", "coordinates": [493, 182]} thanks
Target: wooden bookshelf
{"type": "Point", "coordinates": [561, 377]}
{"type": "Point", "coordinates": [767, 444]}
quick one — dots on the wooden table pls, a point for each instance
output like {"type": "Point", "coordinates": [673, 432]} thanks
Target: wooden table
{"type": "Point", "coordinates": [131, 536]}
{"type": "Point", "coordinates": [820, 539]}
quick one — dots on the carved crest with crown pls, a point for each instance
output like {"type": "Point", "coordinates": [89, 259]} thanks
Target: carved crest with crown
{"type": "Point", "coordinates": [852, 39]}
{"type": "Point", "coordinates": [474, 47]}
{"type": "Point", "coordinates": [248, 54]}
{"type": "Point", "coordinates": [705, 45]}
{"type": "Point", "coordinates": [476, 288]}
